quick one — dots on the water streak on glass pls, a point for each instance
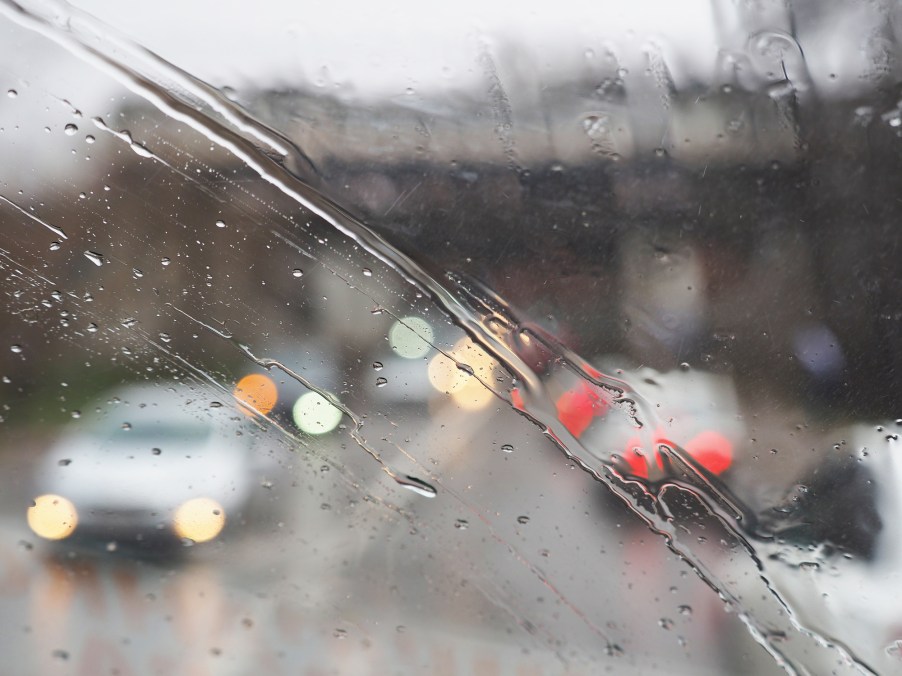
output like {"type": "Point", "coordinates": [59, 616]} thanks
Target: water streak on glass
{"type": "Point", "coordinates": [650, 265]}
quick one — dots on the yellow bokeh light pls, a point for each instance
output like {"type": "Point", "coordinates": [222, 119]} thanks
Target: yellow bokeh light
{"type": "Point", "coordinates": [466, 390]}
{"type": "Point", "coordinates": [199, 519]}
{"type": "Point", "coordinates": [444, 375]}
{"type": "Point", "coordinates": [52, 517]}
{"type": "Point", "coordinates": [258, 392]}
{"type": "Point", "coordinates": [472, 396]}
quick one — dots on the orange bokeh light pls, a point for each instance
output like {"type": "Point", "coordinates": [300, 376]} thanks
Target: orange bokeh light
{"type": "Point", "coordinates": [258, 392]}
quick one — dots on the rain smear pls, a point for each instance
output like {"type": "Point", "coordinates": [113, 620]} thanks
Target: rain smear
{"type": "Point", "coordinates": [485, 318]}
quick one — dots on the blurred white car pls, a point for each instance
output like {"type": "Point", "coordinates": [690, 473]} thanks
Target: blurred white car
{"type": "Point", "coordinates": [153, 466]}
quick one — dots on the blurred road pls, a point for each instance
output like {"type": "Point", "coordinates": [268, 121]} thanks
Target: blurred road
{"type": "Point", "coordinates": [341, 571]}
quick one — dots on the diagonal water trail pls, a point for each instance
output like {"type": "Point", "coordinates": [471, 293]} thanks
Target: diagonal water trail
{"type": "Point", "coordinates": [227, 126]}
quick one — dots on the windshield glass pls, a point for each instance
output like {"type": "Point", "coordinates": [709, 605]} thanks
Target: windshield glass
{"type": "Point", "coordinates": [561, 340]}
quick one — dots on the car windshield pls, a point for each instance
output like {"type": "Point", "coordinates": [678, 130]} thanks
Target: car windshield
{"type": "Point", "coordinates": [467, 339]}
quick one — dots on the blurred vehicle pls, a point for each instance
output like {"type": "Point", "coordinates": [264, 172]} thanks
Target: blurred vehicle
{"type": "Point", "coordinates": [154, 467]}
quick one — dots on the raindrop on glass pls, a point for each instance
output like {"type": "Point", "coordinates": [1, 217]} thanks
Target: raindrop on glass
{"type": "Point", "coordinates": [297, 272]}
{"type": "Point", "coordinates": [16, 348]}
{"type": "Point", "coordinates": [70, 129]}
{"type": "Point", "coordinates": [381, 382]}
{"type": "Point", "coordinates": [377, 365]}
{"type": "Point", "coordinates": [507, 448]}
{"type": "Point", "coordinates": [94, 257]}
{"type": "Point", "coordinates": [523, 519]}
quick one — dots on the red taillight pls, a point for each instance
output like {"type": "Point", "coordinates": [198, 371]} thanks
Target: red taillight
{"type": "Point", "coordinates": [577, 408]}
{"type": "Point", "coordinates": [711, 450]}
{"type": "Point", "coordinates": [517, 400]}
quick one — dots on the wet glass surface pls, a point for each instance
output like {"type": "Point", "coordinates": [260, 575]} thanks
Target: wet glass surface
{"type": "Point", "coordinates": [557, 342]}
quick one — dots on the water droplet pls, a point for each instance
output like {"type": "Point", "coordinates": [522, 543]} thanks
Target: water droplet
{"type": "Point", "coordinates": [461, 524]}
{"type": "Point", "coordinates": [340, 633]}
{"type": "Point", "coordinates": [523, 519]}
{"type": "Point", "coordinates": [367, 272]}
{"type": "Point", "coordinates": [156, 451]}
{"type": "Point", "coordinates": [266, 484]}
{"type": "Point", "coordinates": [89, 139]}
{"type": "Point", "coordinates": [325, 506]}
{"type": "Point", "coordinates": [129, 323]}
{"type": "Point", "coordinates": [220, 224]}
{"type": "Point", "coordinates": [297, 272]}
{"type": "Point", "coordinates": [111, 546]}
{"type": "Point", "coordinates": [507, 448]}
{"type": "Point", "coordinates": [55, 246]}
{"type": "Point", "coordinates": [215, 404]}
{"type": "Point", "coordinates": [60, 654]}
{"type": "Point", "coordinates": [76, 414]}
{"type": "Point", "coordinates": [137, 273]}
{"type": "Point", "coordinates": [12, 93]}
{"type": "Point", "coordinates": [94, 257]}
{"type": "Point", "coordinates": [64, 462]}
{"type": "Point", "coordinates": [70, 129]}
{"type": "Point", "coordinates": [418, 486]}
{"type": "Point", "coordinates": [187, 542]}
{"type": "Point", "coordinates": [381, 382]}
{"type": "Point", "coordinates": [665, 623]}
{"type": "Point", "coordinates": [92, 328]}
{"type": "Point", "coordinates": [377, 365]}
{"type": "Point", "coordinates": [15, 348]}
{"type": "Point", "coordinates": [127, 426]}
{"type": "Point", "coordinates": [165, 261]}
{"type": "Point", "coordinates": [685, 610]}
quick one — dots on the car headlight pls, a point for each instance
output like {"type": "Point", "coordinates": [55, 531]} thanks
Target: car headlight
{"type": "Point", "coordinates": [52, 517]}
{"type": "Point", "coordinates": [199, 519]}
